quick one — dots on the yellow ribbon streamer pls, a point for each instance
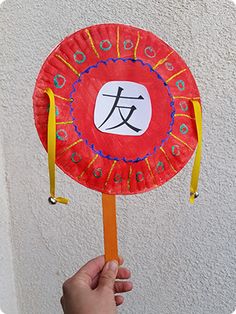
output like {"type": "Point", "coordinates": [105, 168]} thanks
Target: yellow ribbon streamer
{"type": "Point", "coordinates": [52, 148]}
{"type": "Point", "coordinates": [197, 160]}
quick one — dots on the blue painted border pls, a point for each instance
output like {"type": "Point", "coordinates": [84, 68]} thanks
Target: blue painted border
{"type": "Point", "coordinates": [91, 146]}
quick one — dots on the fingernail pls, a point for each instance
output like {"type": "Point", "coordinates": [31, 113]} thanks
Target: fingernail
{"type": "Point", "coordinates": [112, 265]}
{"type": "Point", "coordinates": [121, 259]}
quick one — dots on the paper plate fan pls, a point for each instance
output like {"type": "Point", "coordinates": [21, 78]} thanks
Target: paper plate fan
{"type": "Point", "coordinates": [119, 111]}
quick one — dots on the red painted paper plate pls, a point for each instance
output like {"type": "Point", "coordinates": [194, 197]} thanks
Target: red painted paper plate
{"type": "Point", "coordinates": [125, 122]}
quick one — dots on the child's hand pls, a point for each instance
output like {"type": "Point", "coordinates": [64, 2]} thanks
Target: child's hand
{"type": "Point", "coordinates": [92, 289]}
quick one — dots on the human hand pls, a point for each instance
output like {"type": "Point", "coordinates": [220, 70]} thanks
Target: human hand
{"type": "Point", "coordinates": [92, 289]}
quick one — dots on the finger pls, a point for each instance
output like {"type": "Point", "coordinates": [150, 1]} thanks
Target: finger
{"type": "Point", "coordinates": [123, 286]}
{"type": "Point", "coordinates": [108, 275]}
{"type": "Point", "coordinates": [94, 282]}
{"type": "Point", "coordinates": [62, 302]}
{"type": "Point", "coordinates": [89, 271]}
{"type": "Point", "coordinates": [123, 273]}
{"type": "Point", "coordinates": [119, 299]}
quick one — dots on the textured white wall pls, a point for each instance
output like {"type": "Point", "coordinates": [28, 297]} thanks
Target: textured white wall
{"type": "Point", "coordinates": [8, 303]}
{"type": "Point", "coordinates": [183, 257]}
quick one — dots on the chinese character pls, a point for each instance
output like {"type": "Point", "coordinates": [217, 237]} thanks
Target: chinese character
{"type": "Point", "coordinates": [115, 105]}
{"type": "Point", "coordinates": [123, 107]}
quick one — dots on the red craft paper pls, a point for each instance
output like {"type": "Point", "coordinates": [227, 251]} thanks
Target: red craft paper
{"type": "Point", "coordinates": [78, 68]}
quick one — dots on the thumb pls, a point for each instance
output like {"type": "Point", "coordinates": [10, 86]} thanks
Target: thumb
{"type": "Point", "coordinates": [108, 275]}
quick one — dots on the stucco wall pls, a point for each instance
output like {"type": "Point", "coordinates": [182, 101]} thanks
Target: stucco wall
{"type": "Point", "coordinates": [8, 303]}
{"type": "Point", "coordinates": [183, 257]}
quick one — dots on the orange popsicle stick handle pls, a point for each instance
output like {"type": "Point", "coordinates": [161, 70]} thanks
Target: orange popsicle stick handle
{"type": "Point", "coordinates": [109, 227]}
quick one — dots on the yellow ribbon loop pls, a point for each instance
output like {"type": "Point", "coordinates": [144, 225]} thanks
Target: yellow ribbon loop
{"type": "Point", "coordinates": [197, 160]}
{"type": "Point", "coordinates": [51, 146]}
{"type": "Point", "coordinates": [62, 200]}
